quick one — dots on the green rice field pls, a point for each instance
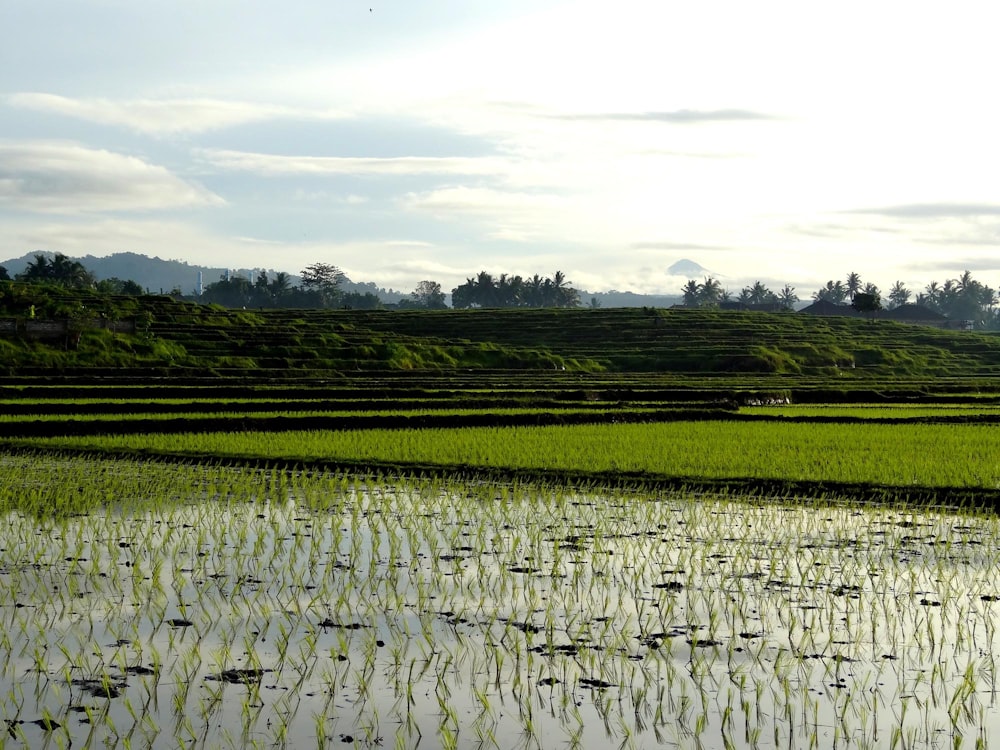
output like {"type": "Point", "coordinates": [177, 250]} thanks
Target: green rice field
{"type": "Point", "coordinates": [912, 455]}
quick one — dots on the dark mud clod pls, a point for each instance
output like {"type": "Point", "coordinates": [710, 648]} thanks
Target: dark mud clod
{"type": "Point", "coordinates": [595, 683]}
{"type": "Point", "coordinates": [669, 586]}
{"type": "Point", "coordinates": [239, 676]}
{"type": "Point", "coordinates": [100, 688]}
{"type": "Point", "coordinates": [328, 623]}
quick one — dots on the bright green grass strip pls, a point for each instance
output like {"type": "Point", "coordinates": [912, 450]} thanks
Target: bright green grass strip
{"type": "Point", "coordinates": [901, 455]}
{"type": "Point", "coordinates": [236, 414]}
{"type": "Point", "coordinates": [875, 411]}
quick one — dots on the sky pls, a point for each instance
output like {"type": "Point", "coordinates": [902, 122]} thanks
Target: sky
{"type": "Point", "coordinates": [404, 140]}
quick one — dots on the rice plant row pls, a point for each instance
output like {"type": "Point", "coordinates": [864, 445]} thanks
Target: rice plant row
{"type": "Point", "coordinates": [906, 455]}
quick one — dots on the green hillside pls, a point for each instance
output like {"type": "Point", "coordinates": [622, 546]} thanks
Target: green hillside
{"type": "Point", "coordinates": [182, 339]}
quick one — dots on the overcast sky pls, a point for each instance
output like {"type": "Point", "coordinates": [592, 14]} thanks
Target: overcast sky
{"type": "Point", "coordinates": [430, 139]}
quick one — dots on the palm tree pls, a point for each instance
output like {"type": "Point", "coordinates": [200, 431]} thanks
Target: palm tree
{"type": "Point", "coordinates": [534, 291]}
{"type": "Point", "coordinates": [834, 292]}
{"type": "Point", "coordinates": [692, 293]}
{"type": "Point", "coordinates": [565, 295]}
{"type": "Point", "coordinates": [36, 270]}
{"type": "Point", "coordinates": [508, 291]}
{"type": "Point", "coordinates": [899, 295]}
{"type": "Point", "coordinates": [759, 294]}
{"type": "Point", "coordinates": [710, 292]}
{"type": "Point", "coordinates": [484, 290]}
{"type": "Point", "coordinates": [787, 297]}
{"type": "Point", "coordinates": [280, 284]}
{"type": "Point", "coordinates": [853, 284]}
{"type": "Point", "coordinates": [59, 270]}
{"type": "Point", "coordinates": [931, 296]}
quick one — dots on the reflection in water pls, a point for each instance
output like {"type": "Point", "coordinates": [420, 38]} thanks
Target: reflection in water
{"type": "Point", "coordinates": [244, 608]}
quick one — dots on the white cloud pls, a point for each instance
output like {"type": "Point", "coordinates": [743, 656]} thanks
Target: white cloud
{"type": "Point", "coordinates": [67, 178]}
{"type": "Point", "coordinates": [326, 196]}
{"type": "Point", "coordinates": [515, 216]}
{"type": "Point", "coordinates": [161, 116]}
{"type": "Point", "coordinates": [274, 164]}
{"type": "Point", "coordinates": [409, 243]}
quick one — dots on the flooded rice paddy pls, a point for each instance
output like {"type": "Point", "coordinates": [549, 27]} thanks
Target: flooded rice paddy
{"type": "Point", "coordinates": [149, 605]}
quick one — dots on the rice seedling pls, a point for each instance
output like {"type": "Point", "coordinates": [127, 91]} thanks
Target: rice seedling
{"type": "Point", "coordinates": [909, 455]}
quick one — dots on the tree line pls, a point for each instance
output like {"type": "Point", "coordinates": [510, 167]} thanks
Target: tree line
{"type": "Point", "coordinates": [961, 298]}
{"type": "Point", "coordinates": [321, 286]}
{"type": "Point", "coordinates": [710, 293]}
{"type": "Point", "coordinates": [62, 271]}
{"type": "Point", "coordinates": [485, 290]}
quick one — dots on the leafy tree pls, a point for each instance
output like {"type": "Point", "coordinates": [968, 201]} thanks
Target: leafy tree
{"type": "Point", "coordinates": [867, 302]}
{"type": "Point", "coordinates": [4, 276]}
{"type": "Point", "coordinates": [235, 291]}
{"type": "Point", "coordinates": [427, 296]}
{"type": "Point", "coordinates": [325, 280]}
{"type": "Point", "coordinates": [360, 301]}
{"type": "Point", "coordinates": [114, 285]}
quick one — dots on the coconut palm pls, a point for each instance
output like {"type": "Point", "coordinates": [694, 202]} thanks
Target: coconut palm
{"type": "Point", "coordinates": [853, 284]}
{"type": "Point", "coordinates": [899, 295]}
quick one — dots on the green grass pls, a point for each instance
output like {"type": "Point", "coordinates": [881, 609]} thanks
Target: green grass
{"type": "Point", "coordinates": [235, 413]}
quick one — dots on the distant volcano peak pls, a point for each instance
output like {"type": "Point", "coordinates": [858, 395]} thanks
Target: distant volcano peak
{"type": "Point", "coordinates": [686, 267]}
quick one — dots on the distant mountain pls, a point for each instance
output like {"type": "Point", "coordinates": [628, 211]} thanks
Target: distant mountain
{"type": "Point", "coordinates": [629, 299]}
{"type": "Point", "coordinates": [687, 267]}
{"type": "Point", "coordinates": [152, 274]}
